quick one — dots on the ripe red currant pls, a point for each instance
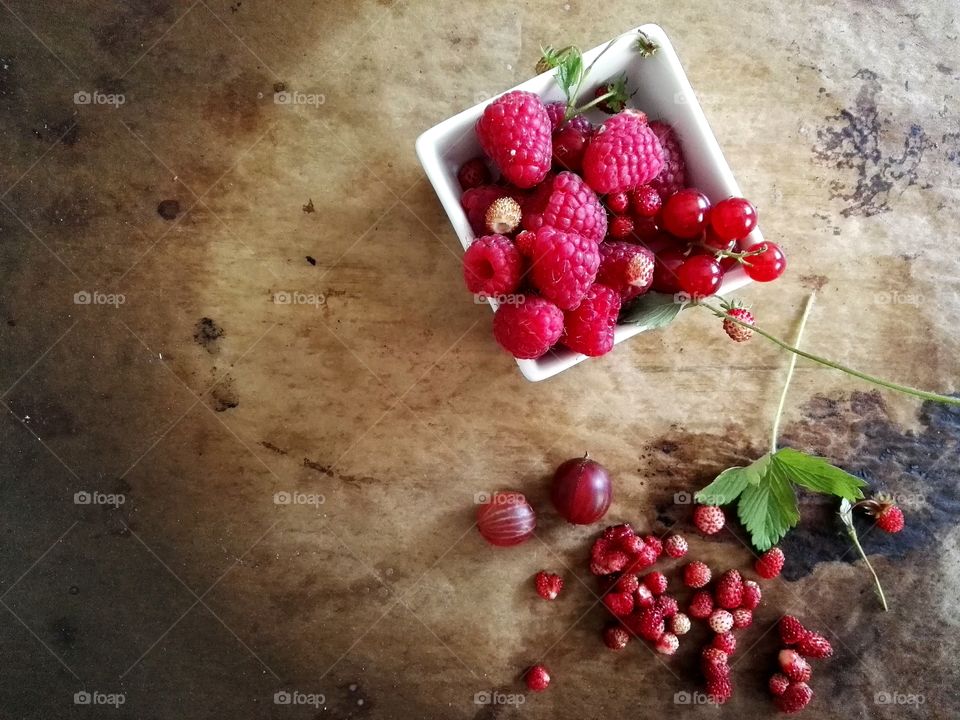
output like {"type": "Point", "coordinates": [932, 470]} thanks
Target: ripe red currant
{"type": "Point", "coordinates": [618, 202]}
{"type": "Point", "coordinates": [733, 218]}
{"type": "Point", "coordinates": [665, 271]}
{"type": "Point", "coordinates": [699, 276]}
{"type": "Point", "coordinates": [768, 265]}
{"type": "Point", "coordinates": [646, 201]}
{"type": "Point", "coordinates": [684, 215]}
{"type": "Point", "coordinates": [714, 241]}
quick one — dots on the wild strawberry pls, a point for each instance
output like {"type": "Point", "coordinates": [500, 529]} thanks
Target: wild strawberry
{"type": "Point", "coordinates": [709, 519]}
{"type": "Point", "coordinates": [628, 269]}
{"type": "Point", "coordinates": [616, 637]}
{"type": "Point", "coordinates": [620, 604]}
{"type": "Point", "coordinates": [793, 665]}
{"type": "Point", "coordinates": [675, 546]}
{"type": "Point", "coordinates": [656, 581]}
{"type": "Point", "coordinates": [631, 544]}
{"type": "Point", "coordinates": [813, 645]}
{"type": "Point", "coordinates": [473, 173]}
{"type": "Point", "coordinates": [503, 216]}
{"type": "Point", "coordinates": [515, 132]}
{"type": "Point", "coordinates": [679, 624]}
{"type": "Point", "coordinates": [615, 560]}
{"type": "Point", "coordinates": [742, 618]}
{"type": "Point", "coordinates": [738, 333]}
{"type": "Point", "coordinates": [654, 543]}
{"type": "Point", "coordinates": [646, 556]}
{"type": "Point", "coordinates": [791, 630]}
{"type": "Point", "coordinates": [719, 689]}
{"type": "Point", "coordinates": [548, 585]}
{"type": "Point", "coordinates": [778, 683]}
{"type": "Point", "coordinates": [729, 590]}
{"type": "Point", "coordinates": [713, 662]}
{"type": "Point", "coordinates": [725, 642]}
{"type": "Point", "coordinates": [794, 698]}
{"type": "Point", "coordinates": [720, 621]}
{"type": "Point", "coordinates": [701, 605]}
{"type": "Point", "coordinates": [524, 242]}
{"type": "Point", "coordinates": [617, 533]}
{"type": "Point", "coordinates": [751, 595]}
{"type": "Point", "coordinates": [649, 624]}
{"type": "Point", "coordinates": [623, 153]}
{"type": "Point", "coordinates": [537, 678]}
{"type": "Point", "coordinates": [645, 201]}
{"type": "Point", "coordinates": [696, 574]}
{"type": "Point", "coordinates": [769, 564]}
{"type": "Point", "coordinates": [618, 202]}
{"type": "Point", "coordinates": [890, 519]}
{"type": "Point", "coordinates": [667, 605]}
{"type": "Point", "coordinates": [667, 644]}
{"type": "Point", "coordinates": [616, 88]}
{"type": "Point", "coordinates": [627, 584]}
{"type": "Point", "coordinates": [643, 597]}
{"type": "Point", "coordinates": [620, 227]}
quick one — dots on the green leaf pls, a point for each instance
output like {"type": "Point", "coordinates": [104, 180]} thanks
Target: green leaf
{"type": "Point", "coordinates": [818, 475]}
{"type": "Point", "coordinates": [768, 509]}
{"type": "Point", "coordinates": [732, 482]}
{"type": "Point", "coordinates": [653, 310]}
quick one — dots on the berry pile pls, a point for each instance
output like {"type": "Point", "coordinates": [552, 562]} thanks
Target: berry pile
{"type": "Point", "coordinates": [586, 218]}
{"type": "Point", "coordinates": [789, 687]}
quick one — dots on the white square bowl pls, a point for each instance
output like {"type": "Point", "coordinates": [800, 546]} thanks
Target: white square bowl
{"type": "Point", "coordinates": [664, 93]}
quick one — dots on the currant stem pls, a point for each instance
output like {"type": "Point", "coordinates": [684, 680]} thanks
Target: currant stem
{"type": "Point", "coordinates": [790, 368]}
{"type": "Point", "coordinates": [856, 542]}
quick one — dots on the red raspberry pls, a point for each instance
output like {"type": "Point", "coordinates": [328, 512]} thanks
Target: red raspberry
{"type": "Point", "coordinates": [645, 201]}
{"type": "Point", "coordinates": [720, 621]}
{"type": "Point", "coordinates": [701, 606]}
{"type": "Point", "coordinates": [791, 630]}
{"type": "Point", "coordinates": [813, 645]}
{"type": "Point", "coordinates": [794, 666]}
{"type": "Point", "coordinates": [778, 683]}
{"type": "Point", "coordinates": [566, 203]}
{"type": "Point", "coordinates": [564, 266]}
{"type": "Point", "coordinates": [529, 328]}
{"type": "Point", "coordinates": [667, 644]}
{"type": "Point", "coordinates": [618, 202]}
{"type": "Point", "coordinates": [548, 585]}
{"type": "Point", "coordinates": [492, 266]}
{"type": "Point", "coordinates": [667, 605]}
{"type": "Point", "coordinates": [656, 581]}
{"type": "Point", "coordinates": [719, 689]}
{"type": "Point", "coordinates": [619, 603]}
{"type": "Point", "coordinates": [696, 574]}
{"type": "Point", "coordinates": [524, 242]}
{"type": "Point", "coordinates": [627, 584]}
{"type": "Point", "coordinates": [673, 176]}
{"type": "Point", "coordinates": [709, 519]}
{"type": "Point", "coordinates": [620, 227]}
{"type": "Point", "coordinates": [680, 624]}
{"type": "Point", "coordinates": [649, 624]}
{"type": "Point", "coordinates": [627, 268]}
{"type": "Point", "coordinates": [653, 542]}
{"type": "Point", "coordinates": [794, 698]}
{"type": "Point", "coordinates": [738, 333]}
{"type": "Point", "coordinates": [624, 153]}
{"type": "Point", "coordinates": [515, 131]}
{"type": "Point", "coordinates": [477, 200]}
{"type": "Point", "coordinates": [473, 173]}
{"type": "Point", "coordinates": [537, 678]}
{"type": "Point", "coordinates": [616, 637]}
{"type": "Point", "coordinates": [725, 642]}
{"type": "Point", "coordinates": [742, 618]}
{"type": "Point", "coordinates": [589, 330]}
{"type": "Point", "coordinates": [769, 564]}
{"type": "Point", "coordinates": [729, 590]}
{"type": "Point", "coordinates": [644, 598]}
{"type": "Point", "coordinates": [751, 595]}
{"type": "Point", "coordinates": [675, 546]}
{"type": "Point", "coordinates": [556, 111]}
{"type": "Point", "coordinates": [890, 519]}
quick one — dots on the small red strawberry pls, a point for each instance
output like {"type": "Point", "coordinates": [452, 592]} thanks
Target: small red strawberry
{"type": "Point", "coordinates": [654, 543]}
{"type": "Point", "coordinates": [719, 690]}
{"type": "Point", "coordinates": [729, 590]}
{"type": "Point", "coordinates": [537, 678]}
{"type": "Point", "coordinates": [680, 624]}
{"type": "Point", "coordinates": [620, 227]}
{"type": "Point", "coordinates": [890, 519]}
{"type": "Point", "coordinates": [791, 630]}
{"type": "Point", "coordinates": [515, 132]}
{"type": "Point", "coordinates": [616, 637]}
{"type": "Point", "coordinates": [616, 88]}
{"type": "Point", "coordinates": [627, 584]}
{"type": "Point", "coordinates": [645, 201]}
{"type": "Point", "coordinates": [617, 533]}
{"type": "Point", "coordinates": [620, 604]}
{"type": "Point", "coordinates": [709, 519]}
{"type": "Point", "coordinates": [632, 544]}
{"type": "Point", "coordinates": [618, 202]}
{"type": "Point", "coordinates": [778, 683]}
{"type": "Point", "coordinates": [813, 645]}
{"type": "Point", "coordinates": [770, 564]}
{"type": "Point", "coordinates": [696, 574]}
{"type": "Point", "coordinates": [647, 556]}
{"type": "Point", "coordinates": [675, 546]}
{"type": "Point", "coordinates": [794, 698]}
{"type": "Point", "coordinates": [644, 598]}
{"type": "Point", "coordinates": [725, 642]}
{"type": "Point", "coordinates": [623, 153]}
{"type": "Point", "coordinates": [548, 585]}
{"type": "Point", "coordinates": [736, 332]}
{"type": "Point", "coordinates": [524, 242]}
{"type": "Point", "coordinates": [742, 618]}
{"type": "Point", "coordinates": [667, 605]}
{"type": "Point", "coordinates": [720, 621]}
{"type": "Point", "coordinates": [667, 644]}
{"type": "Point", "coordinates": [751, 595]}
{"type": "Point", "coordinates": [701, 605]}
{"type": "Point", "coordinates": [713, 662]}
{"type": "Point", "coordinates": [649, 624]}
{"type": "Point", "coordinates": [794, 666]}
{"type": "Point", "coordinates": [656, 581]}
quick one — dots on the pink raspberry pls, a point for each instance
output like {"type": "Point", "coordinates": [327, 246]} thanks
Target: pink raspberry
{"type": "Point", "coordinates": [478, 199]}
{"type": "Point", "coordinates": [566, 203]}
{"type": "Point", "coordinates": [625, 267]}
{"type": "Point", "coordinates": [528, 328]}
{"type": "Point", "coordinates": [673, 176]}
{"type": "Point", "coordinates": [555, 112]}
{"type": "Point", "coordinates": [623, 154]}
{"type": "Point", "coordinates": [492, 266]}
{"type": "Point", "coordinates": [589, 330]}
{"type": "Point", "coordinates": [515, 131]}
{"type": "Point", "coordinates": [564, 266]}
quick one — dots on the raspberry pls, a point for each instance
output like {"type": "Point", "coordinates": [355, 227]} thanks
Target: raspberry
{"type": "Point", "coordinates": [556, 111]}
{"type": "Point", "coordinates": [656, 581]}
{"type": "Point", "coordinates": [813, 645]}
{"type": "Point", "coordinates": [502, 216]}
{"type": "Point", "coordinates": [769, 564]}
{"type": "Point", "coordinates": [720, 621]}
{"type": "Point", "coordinates": [791, 630]}
{"type": "Point", "coordinates": [729, 590]}
{"type": "Point", "coordinates": [751, 595]}
{"type": "Point", "coordinates": [615, 637]}
{"type": "Point", "coordinates": [696, 574]}
{"type": "Point", "coordinates": [618, 202]}
{"type": "Point", "coordinates": [680, 624]}
{"type": "Point", "coordinates": [742, 618]}
{"type": "Point", "coordinates": [515, 131]}
{"type": "Point", "coordinates": [623, 153]}
{"type": "Point", "coordinates": [478, 199]}
{"type": "Point", "coordinates": [627, 268]}
{"type": "Point", "coordinates": [589, 329]}
{"type": "Point", "coordinates": [654, 543]}
{"type": "Point", "coordinates": [620, 227]}
{"type": "Point", "coordinates": [719, 689]}
{"type": "Point", "coordinates": [492, 266]}
{"type": "Point", "coordinates": [794, 698]}
{"type": "Point", "coordinates": [529, 328]}
{"type": "Point", "coordinates": [537, 678]}
{"type": "Point", "coordinates": [564, 266]}
{"type": "Point", "coordinates": [738, 333]}
{"type": "Point", "coordinates": [673, 176]}
{"type": "Point", "coordinates": [667, 605]}
{"type": "Point", "coordinates": [667, 644]}
{"type": "Point", "coordinates": [778, 683]}
{"type": "Point", "coordinates": [675, 546]}
{"type": "Point", "coordinates": [644, 598]}
{"type": "Point", "coordinates": [548, 585]}
{"type": "Point", "coordinates": [649, 624]}
{"type": "Point", "coordinates": [794, 666]}
{"type": "Point", "coordinates": [725, 642]}
{"type": "Point", "coordinates": [473, 173]}
{"type": "Point", "coordinates": [524, 242]}
{"type": "Point", "coordinates": [645, 201]}
{"type": "Point", "coordinates": [701, 605]}
{"type": "Point", "coordinates": [890, 519]}
{"type": "Point", "coordinates": [566, 203]}
{"type": "Point", "coordinates": [709, 519]}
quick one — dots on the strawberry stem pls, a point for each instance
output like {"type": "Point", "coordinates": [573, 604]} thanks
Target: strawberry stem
{"type": "Point", "coordinates": [851, 531]}
{"type": "Point", "coordinates": [790, 368]}
{"type": "Point", "coordinates": [574, 111]}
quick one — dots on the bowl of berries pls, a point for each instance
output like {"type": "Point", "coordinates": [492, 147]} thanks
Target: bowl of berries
{"type": "Point", "coordinates": [593, 203]}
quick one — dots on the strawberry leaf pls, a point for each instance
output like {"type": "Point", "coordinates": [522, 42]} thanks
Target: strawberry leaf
{"type": "Point", "coordinates": [568, 62]}
{"type": "Point", "coordinates": [769, 508]}
{"type": "Point", "coordinates": [732, 482]}
{"type": "Point", "coordinates": [816, 474]}
{"type": "Point", "coordinates": [653, 310]}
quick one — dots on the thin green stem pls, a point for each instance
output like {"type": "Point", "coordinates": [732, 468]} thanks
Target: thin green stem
{"type": "Point", "coordinates": [595, 101]}
{"type": "Point", "coordinates": [856, 541]}
{"type": "Point", "coordinates": [790, 368]}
